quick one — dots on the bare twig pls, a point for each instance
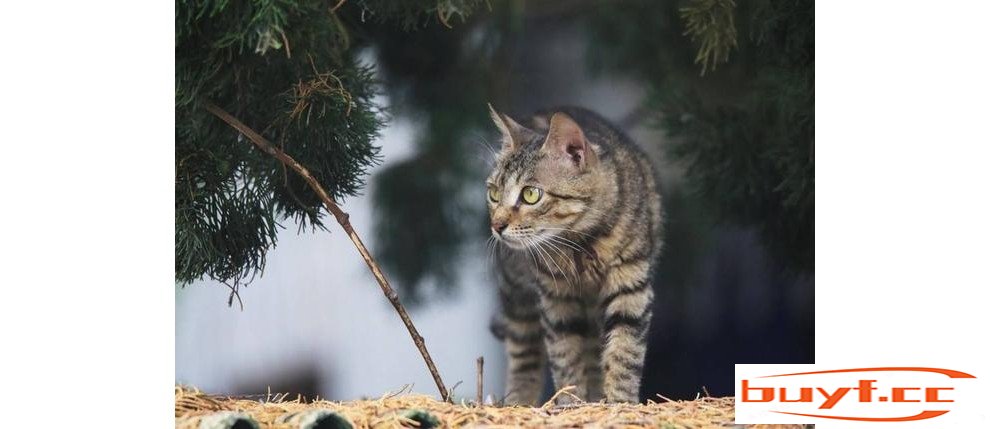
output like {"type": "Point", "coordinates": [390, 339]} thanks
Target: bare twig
{"type": "Point", "coordinates": [454, 387]}
{"type": "Point", "coordinates": [566, 390]}
{"type": "Point", "coordinates": [344, 220]}
{"type": "Point", "coordinates": [481, 380]}
{"type": "Point", "coordinates": [406, 388]}
{"type": "Point", "coordinates": [234, 293]}
{"type": "Point", "coordinates": [665, 398]}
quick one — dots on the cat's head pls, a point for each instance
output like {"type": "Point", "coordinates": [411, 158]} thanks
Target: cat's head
{"type": "Point", "coordinates": [544, 181]}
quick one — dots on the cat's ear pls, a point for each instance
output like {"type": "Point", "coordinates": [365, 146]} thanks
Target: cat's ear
{"type": "Point", "coordinates": [567, 141]}
{"type": "Point", "coordinates": [541, 122]}
{"type": "Point", "coordinates": [512, 132]}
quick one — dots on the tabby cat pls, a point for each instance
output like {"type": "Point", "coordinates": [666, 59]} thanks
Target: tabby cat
{"type": "Point", "coordinates": [576, 221]}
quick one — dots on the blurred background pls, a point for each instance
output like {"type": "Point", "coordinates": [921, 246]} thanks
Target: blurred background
{"type": "Point", "coordinates": [720, 93]}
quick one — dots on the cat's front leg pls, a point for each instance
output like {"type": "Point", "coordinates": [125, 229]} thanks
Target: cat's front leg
{"type": "Point", "coordinates": [567, 327]}
{"type": "Point", "coordinates": [627, 303]}
{"type": "Point", "coordinates": [523, 335]}
{"type": "Point", "coordinates": [524, 345]}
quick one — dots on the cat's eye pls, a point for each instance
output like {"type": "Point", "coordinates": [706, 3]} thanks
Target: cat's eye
{"type": "Point", "coordinates": [492, 195]}
{"type": "Point", "coordinates": [531, 195]}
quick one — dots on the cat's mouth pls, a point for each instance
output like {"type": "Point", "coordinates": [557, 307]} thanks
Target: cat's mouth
{"type": "Point", "coordinates": [512, 242]}
{"type": "Point", "coordinates": [519, 242]}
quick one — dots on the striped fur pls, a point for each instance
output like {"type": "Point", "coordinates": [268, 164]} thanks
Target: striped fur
{"type": "Point", "coordinates": [575, 267]}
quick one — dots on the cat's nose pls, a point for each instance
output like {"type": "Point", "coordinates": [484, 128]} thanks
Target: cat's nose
{"type": "Point", "coordinates": [499, 226]}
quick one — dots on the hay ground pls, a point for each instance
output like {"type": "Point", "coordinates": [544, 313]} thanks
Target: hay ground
{"type": "Point", "coordinates": [390, 411]}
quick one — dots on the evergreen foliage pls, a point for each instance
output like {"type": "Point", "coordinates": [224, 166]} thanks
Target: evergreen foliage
{"type": "Point", "coordinates": [287, 68]}
{"type": "Point", "coordinates": [745, 131]}
{"type": "Point", "coordinates": [711, 23]}
{"type": "Point", "coordinates": [413, 14]}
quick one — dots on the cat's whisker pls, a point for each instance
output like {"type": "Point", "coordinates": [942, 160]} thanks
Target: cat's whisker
{"type": "Point", "coordinates": [536, 245]}
{"type": "Point", "coordinates": [554, 246]}
{"type": "Point", "coordinates": [540, 248]}
{"type": "Point", "coordinates": [531, 244]}
{"type": "Point", "coordinates": [488, 146]}
{"type": "Point", "coordinates": [568, 229]}
{"type": "Point", "coordinates": [568, 243]}
{"type": "Point", "coordinates": [551, 246]}
{"type": "Point", "coordinates": [573, 244]}
{"type": "Point", "coordinates": [492, 248]}
{"type": "Point", "coordinates": [537, 240]}
{"type": "Point", "coordinates": [563, 230]}
{"type": "Point", "coordinates": [528, 248]}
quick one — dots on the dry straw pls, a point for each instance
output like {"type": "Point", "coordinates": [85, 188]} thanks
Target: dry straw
{"type": "Point", "coordinates": [412, 410]}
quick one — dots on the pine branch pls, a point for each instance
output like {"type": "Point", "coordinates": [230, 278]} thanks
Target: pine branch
{"type": "Point", "coordinates": [710, 23]}
{"type": "Point", "coordinates": [344, 220]}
